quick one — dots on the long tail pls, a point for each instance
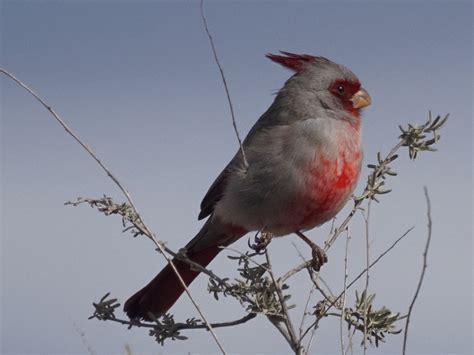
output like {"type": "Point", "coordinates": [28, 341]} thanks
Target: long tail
{"type": "Point", "coordinates": [164, 290]}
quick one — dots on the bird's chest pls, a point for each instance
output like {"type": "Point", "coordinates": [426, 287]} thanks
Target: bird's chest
{"type": "Point", "coordinates": [327, 185]}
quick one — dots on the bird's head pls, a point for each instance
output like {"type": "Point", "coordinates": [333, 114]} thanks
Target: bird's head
{"type": "Point", "coordinates": [321, 82]}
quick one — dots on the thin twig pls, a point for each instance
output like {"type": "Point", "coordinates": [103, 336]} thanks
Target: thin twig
{"type": "Point", "coordinates": [149, 233]}
{"type": "Point", "coordinates": [295, 270]}
{"type": "Point", "coordinates": [325, 285]}
{"type": "Point", "coordinates": [379, 257]}
{"type": "Point", "coordinates": [422, 275]}
{"type": "Point", "coordinates": [194, 265]}
{"type": "Point", "coordinates": [317, 285]}
{"type": "Point", "coordinates": [246, 256]}
{"type": "Point", "coordinates": [313, 278]}
{"type": "Point", "coordinates": [184, 326]}
{"type": "Point", "coordinates": [286, 314]}
{"type": "Point", "coordinates": [310, 293]}
{"type": "Point", "coordinates": [231, 107]}
{"type": "Point", "coordinates": [305, 312]}
{"type": "Point", "coordinates": [313, 328]}
{"type": "Point", "coordinates": [343, 305]}
{"type": "Point", "coordinates": [366, 289]}
{"type": "Point", "coordinates": [117, 208]}
{"type": "Point", "coordinates": [315, 323]}
{"type": "Point", "coordinates": [350, 342]}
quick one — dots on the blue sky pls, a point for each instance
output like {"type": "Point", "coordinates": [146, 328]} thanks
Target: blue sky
{"type": "Point", "coordinates": [137, 81]}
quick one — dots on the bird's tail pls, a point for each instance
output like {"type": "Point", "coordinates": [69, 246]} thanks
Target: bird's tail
{"type": "Point", "coordinates": [163, 291]}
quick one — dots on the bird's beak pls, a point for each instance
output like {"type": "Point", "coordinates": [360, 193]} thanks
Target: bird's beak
{"type": "Point", "coordinates": [361, 99]}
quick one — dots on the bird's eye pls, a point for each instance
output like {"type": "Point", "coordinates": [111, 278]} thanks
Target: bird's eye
{"type": "Point", "coordinates": [340, 89]}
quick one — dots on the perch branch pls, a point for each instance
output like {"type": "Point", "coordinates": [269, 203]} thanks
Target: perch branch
{"type": "Point", "coordinates": [184, 326]}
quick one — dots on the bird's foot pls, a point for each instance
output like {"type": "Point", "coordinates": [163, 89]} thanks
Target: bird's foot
{"type": "Point", "coordinates": [319, 255]}
{"type": "Point", "coordinates": [260, 242]}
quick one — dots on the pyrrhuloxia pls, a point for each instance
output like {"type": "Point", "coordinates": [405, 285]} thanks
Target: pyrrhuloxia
{"type": "Point", "coordinates": [304, 158]}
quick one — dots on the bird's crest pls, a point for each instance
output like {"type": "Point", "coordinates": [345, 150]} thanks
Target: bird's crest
{"type": "Point", "coordinates": [294, 62]}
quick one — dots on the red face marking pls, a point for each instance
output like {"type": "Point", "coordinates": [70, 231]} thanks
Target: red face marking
{"type": "Point", "coordinates": [344, 90]}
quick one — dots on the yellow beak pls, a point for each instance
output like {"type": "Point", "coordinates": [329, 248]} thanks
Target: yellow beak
{"type": "Point", "coordinates": [361, 99]}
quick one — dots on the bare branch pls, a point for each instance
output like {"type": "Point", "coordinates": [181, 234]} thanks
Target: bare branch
{"type": "Point", "coordinates": [336, 299]}
{"type": "Point", "coordinates": [314, 278]}
{"type": "Point", "coordinates": [366, 290]}
{"type": "Point", "coordinates": [231, 107]}
{"type": "Point", "coordinates": [286, 315]}
{"type": "Point", "coordinates": [148, 232]}
{"type": "Point", "coordinates": [344, 292]}
{"type": "Point", "coordinates": [305, 312]}
{"type": "Point", "coordinates": [422, 275]}
{"type": "Point", "coordinates": [379, 257]}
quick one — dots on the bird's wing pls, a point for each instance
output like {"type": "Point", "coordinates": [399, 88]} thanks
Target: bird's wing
{"type": "Point", "coordinates": [214, 194]}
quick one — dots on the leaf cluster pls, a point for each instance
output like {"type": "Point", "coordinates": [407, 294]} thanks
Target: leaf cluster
{"type": "Point", "coordinates": [105, 308]}
{"type": "Point", "coordinates": [106, 205]}
{"type": "Point", "coordinates": [415, 137]}
{"type": "Point", "coordinates": [255, 289]}
{"type": "Point", "coordinates": [378, 322]}
{"type": "Point", "coordinates": [166, 328]}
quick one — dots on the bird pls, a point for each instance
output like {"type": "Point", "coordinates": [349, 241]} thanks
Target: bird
{"type": "Point", "coordinates": [296, 169]}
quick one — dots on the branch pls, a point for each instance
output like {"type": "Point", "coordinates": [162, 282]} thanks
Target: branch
{"type": "Point", "coordinates": [148, 233]}
{"type": "Point", "coordinates": [335, 300]}
{"type": "Point", "coordinates": [132, 224]}
{"type": "Point", "coordinates": [379, 257]}
{"type": "Point", "coordinates": [343, 305]}
{"type": "Point", "coordinates": [293, 341]}
{"type": "Point", "coordinates": [425, 264]}
{"type": "Point", "coordinates": [366, 290]}
{"type": "Point", "coordinates": [185, 326]}
{"type": "Point", "coordinates": [231, 107]}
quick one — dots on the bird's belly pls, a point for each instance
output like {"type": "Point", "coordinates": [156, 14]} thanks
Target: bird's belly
{"type": "Point", "coordinates": [327, 187]}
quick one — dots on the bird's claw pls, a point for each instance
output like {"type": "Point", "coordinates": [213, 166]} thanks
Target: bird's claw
{"type": "Point", "coordinates": [260, 242]}
{"type": "Point", "coordinates": [319, 257]}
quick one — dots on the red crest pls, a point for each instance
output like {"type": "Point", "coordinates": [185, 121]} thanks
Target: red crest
{"type": "Point", "coordinates": [293, 61]}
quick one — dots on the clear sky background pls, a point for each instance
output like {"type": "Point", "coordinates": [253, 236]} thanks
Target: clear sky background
{"type": "Point", "coordinates": [138, 82]}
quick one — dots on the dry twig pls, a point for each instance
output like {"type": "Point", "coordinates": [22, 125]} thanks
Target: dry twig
{"type": "Point", "coordinates": [292, 339]}
{"type": "Point", "coordinates": [159, 245]}
{"type": "Point", "coordinates": [366, 290]}
{"type": "Point", "coordinates": [336, 299]}
{"type": "Point", "coordinates": [343, 305]}
{"type": "Point", "coordinates": [423, 269]}
{"type": "Point", "coordinates": [231, 107]}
